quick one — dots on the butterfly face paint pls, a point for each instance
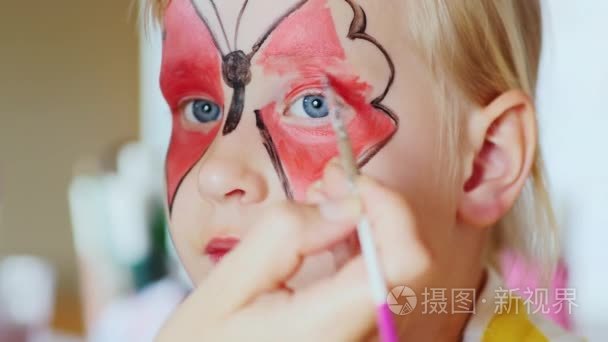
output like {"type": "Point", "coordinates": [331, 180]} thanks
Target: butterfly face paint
{"type": "Point", "coordinates": [302, 47]}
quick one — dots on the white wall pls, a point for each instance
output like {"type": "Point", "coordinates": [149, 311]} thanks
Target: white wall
{"type": "Point", "coordinates": [574, 122]}
{"type": "Point", "coordinates": [155, 124]}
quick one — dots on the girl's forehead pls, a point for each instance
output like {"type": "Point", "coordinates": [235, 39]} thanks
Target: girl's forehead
{"type": "Point", "coordinates": [240, 24]}
{"type": "Point", "coordinates": [286, 28]}
{"type": "Point", "coordinates": [305, 34]}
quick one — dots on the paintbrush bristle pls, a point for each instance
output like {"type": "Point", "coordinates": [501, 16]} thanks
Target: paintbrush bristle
{"type": "Point", "coordinates": [347, 157]}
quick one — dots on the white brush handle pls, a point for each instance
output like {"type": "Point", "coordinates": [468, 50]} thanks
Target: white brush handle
{"type": "Point", "coordinates": [370, 255]}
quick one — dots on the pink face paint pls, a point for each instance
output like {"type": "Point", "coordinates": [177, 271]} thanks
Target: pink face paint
{"type": "Point", "coordinates": [190, 69]}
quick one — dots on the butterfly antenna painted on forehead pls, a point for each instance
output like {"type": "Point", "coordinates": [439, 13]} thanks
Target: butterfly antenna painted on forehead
{"type": "Point", "coordinates": [238, 24]}
{"type": "Point", "coordinates": [274, 25]}
{"type": "Point", "coordinates": [206, 22]}
{"type": "Point", "coordinates": [219, 19]}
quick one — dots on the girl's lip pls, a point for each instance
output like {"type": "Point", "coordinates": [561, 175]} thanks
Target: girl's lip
{"type": "Point", "coordinates": [218, 247]}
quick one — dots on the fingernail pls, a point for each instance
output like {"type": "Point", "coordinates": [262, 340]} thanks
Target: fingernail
{"type": "Point", "coordinates": [334, 161]}
{"type": "Point", "coordinates": [316, 186]}
{"type": "Point", "coordinates": [336, 164]}
{"type": "Point", "coordinates": [314, 194]}
{"type": "Point", "coordinates": [345, 209]}
{"type": "Point", "coordinates": [335, 182]}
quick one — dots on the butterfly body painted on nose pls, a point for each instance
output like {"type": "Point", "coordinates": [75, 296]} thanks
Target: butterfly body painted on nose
{"type": "Point", "coordinates": [236, 71]}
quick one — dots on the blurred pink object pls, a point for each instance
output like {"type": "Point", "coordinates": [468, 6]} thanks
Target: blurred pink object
{"type": "Point", "coordinates": [524, 279]}
{"type": "Point", "coordinates": [138, 317]}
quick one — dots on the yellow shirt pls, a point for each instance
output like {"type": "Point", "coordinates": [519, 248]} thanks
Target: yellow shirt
{"type": "Point", "coordinates": [500, 318]}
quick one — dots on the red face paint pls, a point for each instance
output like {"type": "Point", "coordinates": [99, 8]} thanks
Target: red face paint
{"type": "Point", "coordinates": [190, 69]}
{"type": "Point", "coordinates": [307, 42]}
{"type": "Point", "coordinates": [309, 32]}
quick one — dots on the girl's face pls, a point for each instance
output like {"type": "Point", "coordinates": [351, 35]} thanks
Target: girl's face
{"type": "Point", "coordinates": [245, 82]}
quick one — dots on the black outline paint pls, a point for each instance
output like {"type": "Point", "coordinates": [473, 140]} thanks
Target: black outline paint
{"type": "Point", "coordinates": [179, 184]}
{"type": "Point", "coordinates": [219, 19]}
{"type": "Point", "coordinates": [273, 154]}
{"type": "Point", "coordinates": [357, 31]}
{"type": "Point", "coordinates": [256, 47]}
{"type": "Point", "coordinates": [238, 24]}
{"type": "Point", "coordinates": [206, 22]}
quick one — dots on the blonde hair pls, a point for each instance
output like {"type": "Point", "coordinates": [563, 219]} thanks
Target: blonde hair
{"type": "Point", "coordinates": [156, 8]}
{"type": "Point", "coordinates": [485, 47]}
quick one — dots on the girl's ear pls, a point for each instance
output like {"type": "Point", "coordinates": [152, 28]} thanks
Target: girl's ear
{"type": "Point", "coordinates": [501, 150]}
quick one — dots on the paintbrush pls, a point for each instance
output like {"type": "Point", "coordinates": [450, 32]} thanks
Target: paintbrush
{"type": "Point", "coordinates": [348, 160]}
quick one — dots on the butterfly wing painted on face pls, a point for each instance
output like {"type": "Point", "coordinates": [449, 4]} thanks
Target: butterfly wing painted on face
{"type": "Point", "coordinates": [236, 74]}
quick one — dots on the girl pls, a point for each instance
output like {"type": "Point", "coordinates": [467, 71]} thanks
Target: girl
{"type": "Point", "coordinates": [438, 99]}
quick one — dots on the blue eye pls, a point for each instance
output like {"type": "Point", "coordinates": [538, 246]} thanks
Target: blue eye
{"type": "Point", "coordinates": [202, 111]}
{"type": "Point", "coordinates": [313, 106]}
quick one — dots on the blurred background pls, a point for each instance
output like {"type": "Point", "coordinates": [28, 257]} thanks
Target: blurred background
{"type": "Point", "coordinates": [83, 129]}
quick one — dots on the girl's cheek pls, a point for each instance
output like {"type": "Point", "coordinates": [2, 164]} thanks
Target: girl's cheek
{"type": "Point", "coordinates": [186, 148]}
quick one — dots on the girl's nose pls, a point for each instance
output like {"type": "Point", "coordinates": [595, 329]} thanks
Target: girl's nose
{"type": "Point", "coordinates": [224, 179]}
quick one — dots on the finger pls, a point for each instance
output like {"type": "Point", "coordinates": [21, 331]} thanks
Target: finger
{"type": "Point", "coordinates": [272, 299]}
{"type": "Point", "coordinates": [315, 194]}
{"type": "Point", "coordinates": [402, 252]}
{"type": "Point", "coordinates": [269, 255]}
{"type": "Point", "coordinates": [334, 182]}
{"type": "Point", "coordinates": [341, 306]}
